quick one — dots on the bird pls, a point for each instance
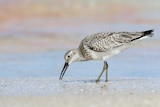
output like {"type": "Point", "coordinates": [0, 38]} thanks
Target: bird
{"type": "Point", "coordinates": [102, 46]}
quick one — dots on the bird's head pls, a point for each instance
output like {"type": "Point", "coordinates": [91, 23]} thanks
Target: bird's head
{"type": "Point", "coordinates": [70, 57]}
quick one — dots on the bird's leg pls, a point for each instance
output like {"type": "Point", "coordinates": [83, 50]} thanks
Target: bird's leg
{"type": "Point", "coordinates": [105, 67]}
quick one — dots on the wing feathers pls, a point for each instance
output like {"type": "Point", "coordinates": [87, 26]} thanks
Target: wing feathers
{"type": "Point", "coordinates": [107, 40]}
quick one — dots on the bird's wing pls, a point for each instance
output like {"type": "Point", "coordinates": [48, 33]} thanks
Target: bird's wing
{"type": "Point", "coordinates": [104, 41]}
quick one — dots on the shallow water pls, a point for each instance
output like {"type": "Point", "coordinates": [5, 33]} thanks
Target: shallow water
{"type": "Point", "coordinates": [135, 62]}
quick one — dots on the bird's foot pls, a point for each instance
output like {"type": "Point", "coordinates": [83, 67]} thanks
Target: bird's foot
{"type": "Point", "coordinates": [106, 80]}
{"type": "Point", "coordinates": [97, 80]}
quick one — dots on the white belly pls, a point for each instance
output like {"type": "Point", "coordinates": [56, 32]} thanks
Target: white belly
{"type": "Point", "coordinates": [110, 53]}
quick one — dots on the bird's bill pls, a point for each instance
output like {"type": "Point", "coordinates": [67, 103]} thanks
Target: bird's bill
{"type": "Point", "coordinates": [64, 70]}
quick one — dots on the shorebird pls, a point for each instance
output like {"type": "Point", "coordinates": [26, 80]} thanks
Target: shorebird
{"type": "Point", "coordinates": [102, 46]}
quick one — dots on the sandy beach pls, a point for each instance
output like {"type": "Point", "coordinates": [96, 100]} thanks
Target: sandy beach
{"type": "Point", "coordinates": [79, 92]}
{"type": "Point", "coordinates": [151, 100]}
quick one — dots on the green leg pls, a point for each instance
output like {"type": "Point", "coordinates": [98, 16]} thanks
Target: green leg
{"type": "Point", "coordinates": [105, 67]}
{"type": "Point", "coordinates": [106, 72]}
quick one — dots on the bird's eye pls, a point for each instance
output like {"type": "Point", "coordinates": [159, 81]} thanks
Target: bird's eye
{"type": "Point", "coordinates": [69, 56]}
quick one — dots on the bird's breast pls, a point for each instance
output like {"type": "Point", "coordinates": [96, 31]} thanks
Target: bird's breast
{"type": "Point", "coordinates": [85, 52]}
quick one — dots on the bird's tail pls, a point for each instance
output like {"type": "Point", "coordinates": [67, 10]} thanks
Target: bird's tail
{"type": "Point", "coordinates": [144, 35]}
{"type": "Point", "coordinates": [148, 33]}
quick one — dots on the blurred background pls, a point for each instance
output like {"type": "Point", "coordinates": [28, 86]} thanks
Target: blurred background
{"type": "Point", "coordinates": [47, 25]}
{"type": "Point", "coordinates": [34, 34]}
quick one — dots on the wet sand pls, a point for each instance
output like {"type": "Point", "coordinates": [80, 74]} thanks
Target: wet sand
{"type": "Point", "coordinates": [151, 100]}
{"type": "Point", "coordinates": [80, 92]}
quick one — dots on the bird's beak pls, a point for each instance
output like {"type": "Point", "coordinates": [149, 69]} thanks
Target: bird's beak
{"type": "Point", "coordinates": [64, 70]}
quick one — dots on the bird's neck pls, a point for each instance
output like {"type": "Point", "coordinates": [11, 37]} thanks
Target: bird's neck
{"type": "Point", "coordinates": [80, 56]}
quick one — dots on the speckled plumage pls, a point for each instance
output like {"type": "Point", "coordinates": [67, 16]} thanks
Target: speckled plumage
{"type": "Point", "coordinates": [102, 46]}
{"type": "Point", "coordinates": [105, 42]}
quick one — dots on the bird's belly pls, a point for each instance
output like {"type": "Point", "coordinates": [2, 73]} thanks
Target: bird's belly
{"type": "Point", "coordinates": [116, 51]}
{"type": "Point", "coordinates": [110, 53]}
